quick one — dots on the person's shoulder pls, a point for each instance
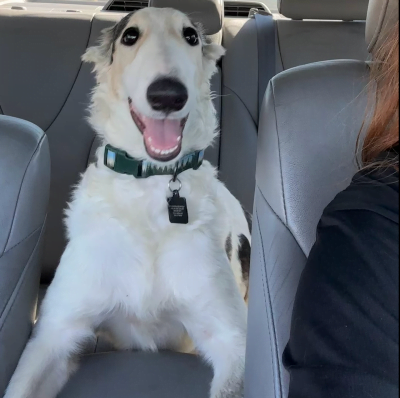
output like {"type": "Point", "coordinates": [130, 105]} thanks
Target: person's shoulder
{"type": "Point", "coordinates": [358, 233]}
{"type": "Point", "coordinates": [374, 192]}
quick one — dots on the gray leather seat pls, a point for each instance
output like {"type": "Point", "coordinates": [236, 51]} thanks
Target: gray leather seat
{"type": "Point", "coordinates": [310, 31]}
{"type": "Point", "coordinates": [315, 30]}
{"type": "Point", "coordinates": [24, 194]}
{"type": "Point", "coordinates": [308, 130]}
{"type": "Point", "coordinates": [141, 375]}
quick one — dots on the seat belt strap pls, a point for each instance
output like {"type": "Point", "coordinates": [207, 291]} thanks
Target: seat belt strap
{"type": "Point", "coordinates": [266, 43]}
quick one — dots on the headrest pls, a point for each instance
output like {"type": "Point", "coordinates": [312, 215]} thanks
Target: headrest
{"type": "Point", "coordinates": [209, 13]}
{"type": "Point", "coordinates": [382, 16]}
{"type": "Point", "coordinates": [342, 10]}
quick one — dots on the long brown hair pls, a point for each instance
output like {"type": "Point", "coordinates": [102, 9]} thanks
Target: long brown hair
{"type": "Point", "coordinates": [383, 132]}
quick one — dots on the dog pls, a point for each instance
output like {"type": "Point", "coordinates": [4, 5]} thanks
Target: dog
{"type": "Point", "coordinates": [158, 248]}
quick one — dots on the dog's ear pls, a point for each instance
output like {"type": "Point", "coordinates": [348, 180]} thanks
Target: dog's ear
{"type": "Point", "coordinates": [211, 55]}
{"type": "Point", "coordinates": [101, 55]}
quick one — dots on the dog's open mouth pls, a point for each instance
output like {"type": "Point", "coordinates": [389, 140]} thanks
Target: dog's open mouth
{"type": "Point", "coordinates": [162, 137]}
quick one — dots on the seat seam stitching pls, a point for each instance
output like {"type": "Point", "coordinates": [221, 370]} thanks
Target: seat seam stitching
{"type": "Point", "coordinates": [271, 317]}
{"type": "Point", "coordinates": [20, 283]}
{"type": "Point", "coordinates": [283, 223]}
{"type": "Point", "coordinates": [247, 109]}
{"type": "Point", "coordinates": [265, 296]}
{"type": "Point", "coordinates": [75, 80]}
{"type": "Point", "coordinates": [21, 241]}
{"type": "Point", "coordinates": [38, 145]}
{"type": "Point", "coordinates": [278, 39]}
{"type": "Point", "coordinates": [90, 150]}
{"type": "Point", "coordinates": [279, 153]}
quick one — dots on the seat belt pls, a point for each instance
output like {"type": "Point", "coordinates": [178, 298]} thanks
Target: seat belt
{"type": "Point", "coordinates": [266, 43]}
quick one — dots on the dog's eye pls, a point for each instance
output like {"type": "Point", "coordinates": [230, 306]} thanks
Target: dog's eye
{"type": "Point", "coordinates": [191, 36]}
{"type": "Point", "coordinates": [130, 36]}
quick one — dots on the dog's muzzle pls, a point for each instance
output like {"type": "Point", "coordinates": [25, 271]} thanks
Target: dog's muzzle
{"type": "Point", "coordinates": [162, 137]}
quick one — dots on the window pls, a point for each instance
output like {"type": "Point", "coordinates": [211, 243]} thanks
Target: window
{"type": "Point", "coordinates": [271, 4]}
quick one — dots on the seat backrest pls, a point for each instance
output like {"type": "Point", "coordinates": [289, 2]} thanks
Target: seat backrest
{"type": "Point", "coordinates": [307, 139]}
{"type": "Point", "coordinates": [46, 83]}
{"type": "Point", "coordinates": [311, 118]}
{"type": "Point", "coordinates": [311, 31]}
{"type": "Point", "coordinates": [316, 30]}
{"type": "Point", "coordinates": [24, 187]}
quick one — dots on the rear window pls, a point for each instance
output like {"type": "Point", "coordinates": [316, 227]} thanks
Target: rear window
{"type": "Point", "coordinates": [271, 4]}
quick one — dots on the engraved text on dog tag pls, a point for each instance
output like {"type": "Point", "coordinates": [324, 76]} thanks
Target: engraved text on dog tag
{"type": "Point", "coordinates": [177, 209]}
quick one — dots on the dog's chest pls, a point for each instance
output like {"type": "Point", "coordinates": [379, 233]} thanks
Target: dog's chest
{"type": "Point", "coordinates": [152, 258]}
{"type": "Point", "coordinates": [150, 278]}
{"type": "Point", "coordinates": [141, 205]}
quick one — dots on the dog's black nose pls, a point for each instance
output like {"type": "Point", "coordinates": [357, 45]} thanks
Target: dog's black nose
{"type": "Point", "coordinates": [167, 95]}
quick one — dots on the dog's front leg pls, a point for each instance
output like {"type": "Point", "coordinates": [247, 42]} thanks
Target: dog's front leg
{"type": "Point", "coordinates": [47, 361]}
{"type": "Point", "coordinates": [217, 325]}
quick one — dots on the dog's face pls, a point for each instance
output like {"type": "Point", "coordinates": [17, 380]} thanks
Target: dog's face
{"type": "Point", "coordinates": [153, 95]}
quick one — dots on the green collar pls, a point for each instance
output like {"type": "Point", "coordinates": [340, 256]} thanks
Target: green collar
{"type": "Point", "coordinates": [120, 162]}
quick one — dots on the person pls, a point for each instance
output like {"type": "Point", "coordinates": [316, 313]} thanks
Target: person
{"type": "Point", "coordinates": [344, 340]}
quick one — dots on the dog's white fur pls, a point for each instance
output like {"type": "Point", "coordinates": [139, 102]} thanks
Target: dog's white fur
{"type": "Point", "coordinates": [127, 270]}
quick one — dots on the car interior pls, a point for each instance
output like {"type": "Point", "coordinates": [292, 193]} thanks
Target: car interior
{"type": "Point", "coordinates": [291, 98]}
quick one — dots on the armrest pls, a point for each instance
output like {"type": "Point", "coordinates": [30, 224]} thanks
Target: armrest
{"type": "Point", "coordinates": [24, 194]}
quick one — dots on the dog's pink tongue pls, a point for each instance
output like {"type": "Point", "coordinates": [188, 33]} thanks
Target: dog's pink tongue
{"type": "Point", "coordinates": [162, 135]}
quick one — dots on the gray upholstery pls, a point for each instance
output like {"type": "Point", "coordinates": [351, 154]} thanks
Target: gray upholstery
{"type": "Point", "coordinates": [210, 13]}
{"type": "Point", "coordinates": [141, 375]}
{"type": "Point", "coordinates": [56, 41]}
{"type": "Point", "coordinates": [306, 155]}
{"type": "Point", "coordinates": [239, 118]}
{"type": "Point", "coordinates": [305, 42]}
{"type": "Point", "coordinates": [25, 184]}
{"type": "Point", "coordinates": [347, 10]}
{"type": "Point", "coordinates": [298, 43]}
{"type": "Point", "coordinates": [382, 15]}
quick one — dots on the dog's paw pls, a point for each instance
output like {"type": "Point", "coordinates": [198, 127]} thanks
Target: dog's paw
{"type": "Point", "coordinates": [230, 394]}
{"type": "Point", "coordinates": [233, 390]}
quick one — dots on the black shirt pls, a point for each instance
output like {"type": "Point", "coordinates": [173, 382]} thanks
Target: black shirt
{"type": "Point", "coordinates": [345, 329]}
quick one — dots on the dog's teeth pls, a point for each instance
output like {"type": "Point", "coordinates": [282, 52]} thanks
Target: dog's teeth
{"type": "Point", "coordinates": [150, 139]}
{"type": "Point", "coordinates": [178, 139]}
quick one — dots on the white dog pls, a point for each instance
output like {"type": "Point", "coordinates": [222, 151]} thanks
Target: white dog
{"type": "Point", "coordinates": [144, 264]}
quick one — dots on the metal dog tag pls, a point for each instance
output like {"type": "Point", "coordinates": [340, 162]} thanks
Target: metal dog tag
{"type": "Point", "coordinates": [177, 209]}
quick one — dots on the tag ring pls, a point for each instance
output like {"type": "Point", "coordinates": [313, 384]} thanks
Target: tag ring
{"type": "Point", "coordinates": [173, 181]}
